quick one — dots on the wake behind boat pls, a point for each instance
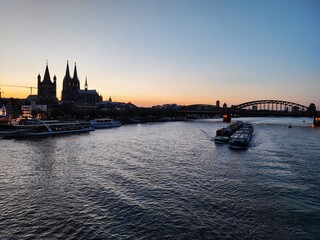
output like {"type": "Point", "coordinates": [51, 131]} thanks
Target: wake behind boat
{"type": "Point", "coordinates": [35, 127]}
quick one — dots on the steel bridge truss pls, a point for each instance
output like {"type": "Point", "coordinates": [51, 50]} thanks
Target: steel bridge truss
{"type": "Point", "coordinates": [272, 105]}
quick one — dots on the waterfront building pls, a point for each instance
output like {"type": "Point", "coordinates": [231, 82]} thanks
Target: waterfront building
{"type": "Point", "coordinates": [217, 104]}
{"type": "Point", "coordinates": [47, 88]}
{"type": "Point", "coordinates": [312, 108]}
{"type": "Point", "coordinates": [3, 111]}
{"type": "Point", "coordinates": [27, 110]}
{"type": "Point", "coordinates": [109, 105]}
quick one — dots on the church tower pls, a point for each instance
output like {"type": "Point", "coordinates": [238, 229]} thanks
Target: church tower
{"type": "Point", "coordinates": [66, 84]}
{"type": "Point", "coordinates": [76, 79]}
{"type": "Point", "coordinates": [70, 86]}
{"type": "Point", "coordinates": [47, 88]}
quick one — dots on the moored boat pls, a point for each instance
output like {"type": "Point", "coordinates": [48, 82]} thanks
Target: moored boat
{"type": "Point", "coordinates": [105, 123]}
{"type": "Point", "coordinates": [4, 123]}
{"type": "Point", "coordinates": [35, 127]}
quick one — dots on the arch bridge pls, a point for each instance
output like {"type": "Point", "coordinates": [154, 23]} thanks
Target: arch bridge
{"type": "Point", "coordinates": [257, 108]}
{"type": "Point", "coordinates": [272, 105]}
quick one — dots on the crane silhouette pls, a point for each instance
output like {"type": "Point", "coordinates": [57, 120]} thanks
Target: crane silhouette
{"type": "Point", "coordinates": [18, 86]}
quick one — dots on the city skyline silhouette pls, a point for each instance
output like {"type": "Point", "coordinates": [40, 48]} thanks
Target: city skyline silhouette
{"type": "Point", "coordinates": [158, 52]}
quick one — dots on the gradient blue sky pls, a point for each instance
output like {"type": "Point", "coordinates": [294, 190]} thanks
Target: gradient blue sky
{"type": "Point", "coordinates": [167, 51]}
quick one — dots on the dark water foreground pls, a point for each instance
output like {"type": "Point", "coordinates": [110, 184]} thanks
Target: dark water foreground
{"type": "Point", "coordinates": [163, 181]}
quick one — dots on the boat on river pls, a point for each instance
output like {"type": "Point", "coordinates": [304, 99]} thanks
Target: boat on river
{"type": "Point", "coordinates": [105, 123]}
{"type": "Point", "coordinates": [223, 134]}
{"type": "Point", "coordinates": [4, 123]}
{"type": "Point", "coordinates": [242, 137]}
{"type": "Point", "coordinates": [35, 127]}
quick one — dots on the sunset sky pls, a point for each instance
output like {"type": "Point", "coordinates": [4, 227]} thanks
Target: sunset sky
{"type": "Point", "coordinates": [168, 51]}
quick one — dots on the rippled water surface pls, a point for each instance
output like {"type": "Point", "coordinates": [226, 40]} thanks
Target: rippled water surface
{"type": "Point", "coordinates": [163, 181]}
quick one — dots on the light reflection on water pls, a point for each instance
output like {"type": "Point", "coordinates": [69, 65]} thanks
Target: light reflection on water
{"type": "Point", "coordinates": [165, 180]}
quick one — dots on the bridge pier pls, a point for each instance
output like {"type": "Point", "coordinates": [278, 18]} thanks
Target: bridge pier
{"type": "Point", "coordinates": [226, 117]}
{"type": "Point", "coordinates": [316, 121]}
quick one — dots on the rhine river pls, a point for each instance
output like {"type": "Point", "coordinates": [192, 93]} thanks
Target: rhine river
{"type": "Point", "coordinates": [163, 181]}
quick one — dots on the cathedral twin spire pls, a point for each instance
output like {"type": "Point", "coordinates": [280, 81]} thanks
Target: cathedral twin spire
{"type": "Point", "coordinates": [75, 74]}
{"type": "Point", "coordinates": [71, 86]}
{"type": "Point", "coordinates": [67, 71]}
{"type": "Point", "coordinates": [71, 91]}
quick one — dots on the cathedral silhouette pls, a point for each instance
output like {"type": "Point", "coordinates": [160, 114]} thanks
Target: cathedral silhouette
{"type": "Point", "coordinates": [71, 91]}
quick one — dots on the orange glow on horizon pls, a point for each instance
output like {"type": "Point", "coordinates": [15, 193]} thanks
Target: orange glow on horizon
{"type": "Point", "coordinates": [23, 93]}
{"type": "Point", "coordinates": [141, 101]}
{"type": "Point", "coordinates": [145, 99]}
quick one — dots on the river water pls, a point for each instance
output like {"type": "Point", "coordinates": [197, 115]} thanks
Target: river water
{"type": "Point", "coordinates": [163, 181]}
